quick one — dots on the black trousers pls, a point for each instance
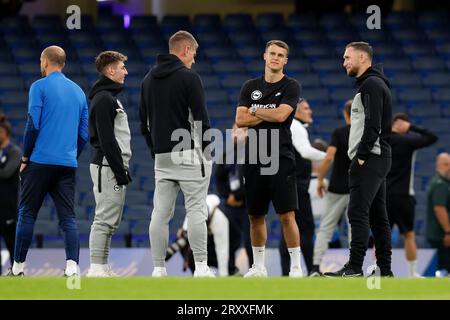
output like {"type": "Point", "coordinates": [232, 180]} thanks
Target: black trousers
{"type": "Point", "coordinates": [443, 254]}
{"type": "Point", "coordinates": [239, 233]}
{"type": "Point", "coordinates": [8, 233]}
{"type": "Point", "coordinates": [305, 222]}
{"type": "Point", "coordinates": [367, 211]}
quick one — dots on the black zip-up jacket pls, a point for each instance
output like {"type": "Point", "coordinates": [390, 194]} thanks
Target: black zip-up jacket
{"type": "Point", "coordinates": [371, 116]}
{"type": "Point", "coordinates": [400, 178]}
{"type": "Point", "coordinates": [170, 93]}
{"type": "Point", "coordinates": [9, 181]}
{"type": "Point", "coordinates": [103, 111]}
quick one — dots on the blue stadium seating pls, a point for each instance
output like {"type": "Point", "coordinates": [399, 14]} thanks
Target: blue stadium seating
{"type": "Point", "coordinates": [414, 49]}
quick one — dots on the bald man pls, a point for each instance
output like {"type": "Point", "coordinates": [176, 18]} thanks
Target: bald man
{"type": "Point", "coordinates": [438, 217]}
{"type": "Point", "coordinates": [55, 133]}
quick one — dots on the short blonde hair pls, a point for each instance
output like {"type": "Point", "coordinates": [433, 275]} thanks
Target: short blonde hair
{"type": "Point", "coordinates": [179, 37]}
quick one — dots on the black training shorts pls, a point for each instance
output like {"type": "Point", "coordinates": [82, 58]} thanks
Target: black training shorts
{"type": "Point", "coordinates": [279, 188]}
{"type": "Point", "coordinates": [400, 210]}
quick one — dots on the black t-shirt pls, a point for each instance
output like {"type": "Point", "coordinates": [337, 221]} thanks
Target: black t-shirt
{"type": "Point", "coordinates": [341, 163]}
{"type": "Point", "coordinates": [264, 95]}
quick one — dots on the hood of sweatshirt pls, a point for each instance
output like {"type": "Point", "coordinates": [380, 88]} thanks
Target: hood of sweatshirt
{"type": "Point", "coordinates": [105, 83]}
{"type": "Point", "coordinates": [375, 70]}
{"type": "Point", "coordinates": [166, 64]}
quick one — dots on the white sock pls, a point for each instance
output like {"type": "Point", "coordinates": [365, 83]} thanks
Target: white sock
{"type": "Point", "coordinates": [18, 267]}
{"type": "Point", "coordinates": [200, 265]}
{"type": "Point", "coordinates": [294, 253]}
{"type": "Point", "coordinates": [258, 256]}
{"type": "Point", "coordinates": [412, 268]}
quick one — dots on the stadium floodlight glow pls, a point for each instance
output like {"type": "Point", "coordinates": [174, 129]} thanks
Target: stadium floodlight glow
{"type": "Point", "coordinates": [126, 21]}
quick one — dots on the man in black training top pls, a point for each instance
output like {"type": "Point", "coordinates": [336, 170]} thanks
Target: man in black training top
{"type": "Point", "coordinates": [267, 105]}
{"type": "Point", "coordinates": [370, 155]}
{"type": "Point", "coordinates": [400, 201]}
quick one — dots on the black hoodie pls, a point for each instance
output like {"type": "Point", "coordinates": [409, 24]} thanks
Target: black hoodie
{"type": "Point", "coordinates": [170, 93]}
{"type": "Point", "coordinates": [104, 131]}
{"type": "Point", "coordinates": [371, 116]}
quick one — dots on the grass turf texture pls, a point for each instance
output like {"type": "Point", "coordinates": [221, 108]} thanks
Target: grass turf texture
{"type": "Point", "coordinates": [182, 288]}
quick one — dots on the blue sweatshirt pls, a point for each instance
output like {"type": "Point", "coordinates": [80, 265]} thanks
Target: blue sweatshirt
{"type": "Point", "coordinates": [57, 127]}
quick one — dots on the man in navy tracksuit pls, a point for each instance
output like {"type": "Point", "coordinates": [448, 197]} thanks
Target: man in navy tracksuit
{"type": "Point", "coordinates": [55, 133]}
{"type": "Point", "coordinates": [370, 155]}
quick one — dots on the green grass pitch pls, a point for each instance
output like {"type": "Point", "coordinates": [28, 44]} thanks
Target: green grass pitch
{"type": "Point", "coordinates": [181, 288]}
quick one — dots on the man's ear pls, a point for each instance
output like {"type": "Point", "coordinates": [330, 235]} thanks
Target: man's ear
{"type": "Point", "coordinates": [186, 50]}
{"type": "Point", "coordinates": [109, 70]}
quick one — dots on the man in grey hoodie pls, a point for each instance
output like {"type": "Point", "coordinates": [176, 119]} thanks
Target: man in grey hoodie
{"type": "Point", "coordinates": [370, 155]}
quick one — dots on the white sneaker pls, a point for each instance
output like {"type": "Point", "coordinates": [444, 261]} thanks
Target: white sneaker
{"type": "Point", "coordinates": [71, 270]}
{"type": "Point", "coordinates": [159, 272]}
{"type": "Point", "coordinates": [109, 271]}
{"type": "Point", "coordinates": [204, 272]}
{"type": "Point", "coordinates": [417, 275]}
{"type": "Point", "coordinates": [256, 272]}
{"type": "Point", "coordinates": [296, 272]}
{"type": "Point", "coordinates": [97, 273]}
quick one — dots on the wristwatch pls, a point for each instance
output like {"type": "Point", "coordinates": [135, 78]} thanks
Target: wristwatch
{"type": "Point", "coordinates": [253, 110]}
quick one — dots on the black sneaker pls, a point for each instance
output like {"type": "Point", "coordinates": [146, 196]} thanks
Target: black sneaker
{"type": "Point", "coordinates": [11, 274]}
{"type": "Point", "coordinates": [315, 272]}
{"type": "Point", "coordinates": [386, 274]}
{"type": "Point", "coordinates": [347, 271]}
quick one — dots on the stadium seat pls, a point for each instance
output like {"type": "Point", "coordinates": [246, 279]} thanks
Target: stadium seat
{"type": "Point", "coordinates": [441, 95]}
{"type": "Point", "coordinates": [437, 79]}
{"type": "Point", "coordinates": [307, 80]}
{"type": "Point", "coordinates": [337, 80]}
{"type": "Point", "coordinates": [414, 95]}
{"type": "Point", "coordinates": [145, 24]}
{"type": "Point", "coordinates": [425, 111]}
{"type": "Point", "coordinates": [316, 96]}
{"type": "Point", "coordinates": [269, 21]}
{"type": "Point", "coordinates": [299, 21]}
{"type": "Point", "coordinates": [405, 80]}
{"type": "Point", "coordinates": [238, 22]}
{"type": "Point", "coordinates": [429, 64]}
{"type": "Point", "coordinates": [340, 96]}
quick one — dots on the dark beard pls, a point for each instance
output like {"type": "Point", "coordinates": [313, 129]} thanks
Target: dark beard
{"type": "Point", "coordinates": [352, 73]}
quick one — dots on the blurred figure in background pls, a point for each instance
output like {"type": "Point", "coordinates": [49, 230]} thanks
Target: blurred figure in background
{"type": "Point", "coordinates": [304, 155]}
{"type": "Point", "coordinates": [230, 187]}
{"type": "Point", "coordinates": [219, 238]}
{"type": "Point", "coordinates": [337, 195]}
{"type": "Point", "coordinates": [438, 212]}
{"type": "Point", "coordinates": [406, 138]}
{"type": "Point", "coordinates": [9, 186]}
